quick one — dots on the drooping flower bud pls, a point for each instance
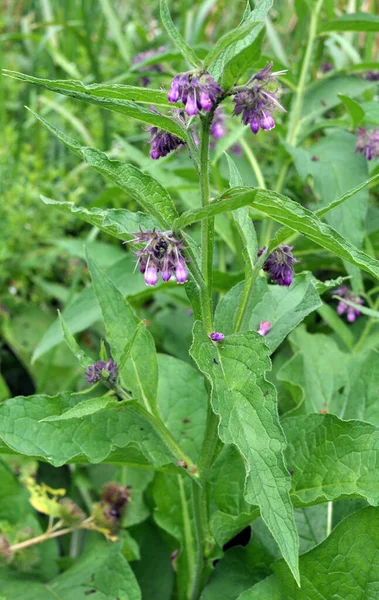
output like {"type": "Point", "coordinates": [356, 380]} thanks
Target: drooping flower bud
{"type": "Point", "coordinates": [216, 336]}
{"type": "Point", "coordinates": [163, 142]}
{"type": "Point", "coordinates": [181, 273]}
{"type": "Point", "coordinates": [196, 91]}
{"type": "Point", "coordinates": [218, 129]}
{"type": "Point", "coordinates": [264, 328]}
{"type": "Point", "coordinates": [368, 143]}
{"type": "Point", "coordinates": [279, 264]}
{"type": "Point", "coordinates": [256, 103]}
{"type": "Point", "coordinates": [161, 254]}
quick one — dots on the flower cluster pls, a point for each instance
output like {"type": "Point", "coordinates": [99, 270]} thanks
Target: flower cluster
{"type": "Point", "coordinates": [279, 264]}
{"type": "Point", "coordinates": [163, 142]}
{"type": "Point", "coordinates": [256, 103]}
{"type": "Point", "coordinates": [342, 308]}
{"type": "Point", "coordinates": [372, 75]}
{"type": "Point", "coordinates": [161, 253]}
{"type": "Point", "coordinates": [196, 92]}
{"type": "Point", "coordinates": [142, 57]}
{"type": "Point", "coordinates": [102, 370]}
{"type": "Point", "coordinates": [368, 143]}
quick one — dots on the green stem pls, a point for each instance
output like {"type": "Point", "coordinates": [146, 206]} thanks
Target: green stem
{"type": "Point", "coordinates": [199, 492]}
{"type": "Point", "coordinates": [369, 325]}
{"type": "Point", "coordinates": [207, 225]}
{"type": "Point", "coordinates": [254, 163]}
{"type": "Point", "coordinates": [249, 282]}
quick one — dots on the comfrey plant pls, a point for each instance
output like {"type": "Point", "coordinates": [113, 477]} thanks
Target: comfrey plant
{"type": "Point", "coordinates": [227, 470]}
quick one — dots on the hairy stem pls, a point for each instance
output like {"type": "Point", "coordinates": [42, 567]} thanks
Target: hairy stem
{"type": "Point", "coordinates": [207, 226]}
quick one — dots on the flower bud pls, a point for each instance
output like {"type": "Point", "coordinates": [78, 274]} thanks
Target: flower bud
{"type": "Point", "coordinates": [216, 336]}
{"type": "Point", "coordinates": [151, 275]}
{"type": "Point", "coordinates": [181, 272]}
{"type": "Point", "coordinates": [70, 513]}
{"type": "Point", "coordinates": [264, 328]}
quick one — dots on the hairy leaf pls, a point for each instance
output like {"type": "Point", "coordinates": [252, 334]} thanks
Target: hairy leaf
{"type": "Point", "coordinates": [246, 405]}
{"type": "Point", "coordinates": [176, 37]}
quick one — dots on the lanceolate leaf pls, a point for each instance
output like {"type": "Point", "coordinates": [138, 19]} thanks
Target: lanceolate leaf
{"type": "Point", "coordinates": [353, 22]}
{"type": "Point", "coordinates": [344, 565]}
{"type": "Point", "coordinates": [289, 213]}
{"type": "Point", "coordinates": [176, 37]}
{"type": "Point", "coordinates": [118, 222]}
{"type": "Point", "coordinates": [110, 91]}
{"type": "Point", "coordinates": [246, 405]}
{"type": "Point", "coordinates": [140, 370]}
{"type": "Point", "coordinates": [147, 191]}
{"type": "Point", "coordinates": [331, 459]}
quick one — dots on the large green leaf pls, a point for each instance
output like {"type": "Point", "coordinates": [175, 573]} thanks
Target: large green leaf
{"type": "Point", "coordinates": [361, 21]}
{"type": "Point", "coordinates": [147, 191]}
{"type": "Point", "coordinates": [283, 307]}
{"type": "Point", "coordinates": [246, 405]}
{"type": "Point", "coordinates": [331, 459]}
{"type": "Point", "coordinates": [176, 37]}
{"type": "Point", "coordinates": [107, 91]}
{"type": "Point", "coordinates": [123, 434]}
{"type": "Point", "coordinates": [182, 401]}
{"type": "Point", "coordinates": [140, 370]}
{"type": "Point", "coordinates": [289, 213]}
{"type": "Point", "coordinates": [117, 222]}
{"type": "Point", "coordinates": [361, 391]}
{"type": "Point", "coordinates": [345, 565]}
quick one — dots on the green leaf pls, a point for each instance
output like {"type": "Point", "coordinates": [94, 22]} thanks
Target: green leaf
{"type": "Point", "coordinates": [123, 434]}
{"type": "Point", "coordinates": [84, 310]}
{"type": "Point", "coordinates": [322, 95]}
{"type": "Point", "coordinates": [147, 191]}
{"type": "Point", "coordinates": [140, 371]}
{"type": "Point", "coordinates": [82, 357]}
{"type": "Point", "coordinates": [283, 307]}
{"type": "Point", "coordinates": [240, 56]}
{"type": "Point", "coordinates": [118, 222]}
{"type": "Point", "coordinates": [345, 565]}
{"type": "Point", "coordinates": [176, 37]}
{"type": "Point", "coordinates": [361, 392]}
{"type": "Point", "coordinates": [85, 408]}
{"type": "Point", "coordinates": [230, 39]}
{"type": "Point", "coordinates": [182, 401]}
{"type": "Point", "coordinates": [117, 91]}
{"type": "Point", "coordinates": [320, 369]}
{"type": "Point", "coordinates": [231, 513]}
{"type": "Point", "coordinates": [354, 109]}
{"type": "Point", "coordinates": [338, 170]}
{"type": "Point", "coordinates": [174, 514]}
{"type": "Point", "coordinates": [243, 223]}
{"type": "Point", "coordinates": [360, 21]}
{"type": "Point", "coordinates": [331, 459]}
{"type": "Point", "coordinates": [289, 213]}
{"type": "Point", "coordinates": [246, 405]}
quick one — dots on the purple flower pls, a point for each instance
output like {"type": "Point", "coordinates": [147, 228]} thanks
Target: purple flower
{"type": "Point", "coordinates": [372, 75]}
{"type": "Point", "coordinates": [342, 308]}
{"type": "Point", "coordinates": [256, 103]}
{"type": "Point", "coordinates": [102, 370]}
{"type": "Point", "coordinates": [218, 129]}
{"type": "Point", "coordinates": [264, 328]}
{"type": "Point", "coordinates": [279, 264]}
{"type": "Point", "coordinates": [216, 336]}
{"type": "Point", "coordinates": [163, 142]}
{"type": "Point", "coordinates": [197, 92]}
{"type": "Point", "coordinates": [326, 67]}
{"type": "Point", "coordinates": [161, 253]}
{"type": "Point", "coordinates": [141, 57]}
{"type": "Point", "coordinates": [368, 143]}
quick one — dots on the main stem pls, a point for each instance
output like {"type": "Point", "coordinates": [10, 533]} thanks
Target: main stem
{"type": "Point", "coordinates": [207, 452]}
